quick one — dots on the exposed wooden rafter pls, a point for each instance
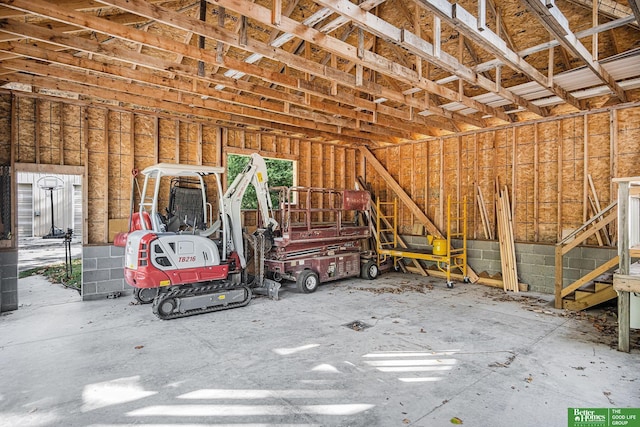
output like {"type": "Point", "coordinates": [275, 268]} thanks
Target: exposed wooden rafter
{"type": "Point", "coordinates": [612, 9]}
{"type": "Point", "coordinates": [466, 23]}
{"type": "Point", "coordinates": [187, 23]}
{"type": "Point", "coordinates": [145, 60]}
{"type": "Point", "coordinates": [635, 6]}
{"type": "Point", "coordinates": [368, 60]}
{"type": "Point", "coordinates": [331, 44]}
{"type": "Point", "coordinates": [557, 24]}
{"type": "Point", "coordinates": [425, 50]}
{"type": "Point", "coordinates": [334, 70]}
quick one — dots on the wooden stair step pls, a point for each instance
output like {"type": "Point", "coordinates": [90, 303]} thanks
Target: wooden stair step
{"type": "Point", "coordinates": [578, 295]}
{"type": "Point", "coordinates": [588, 290]}
{"type": "Point", "coordinates": [590, 300]}
{"type": "Point", "coordinates": [601, 286]}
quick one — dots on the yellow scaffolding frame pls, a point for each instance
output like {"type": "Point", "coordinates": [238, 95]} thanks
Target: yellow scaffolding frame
{"type": "Point", "coordinates": [454, 258]}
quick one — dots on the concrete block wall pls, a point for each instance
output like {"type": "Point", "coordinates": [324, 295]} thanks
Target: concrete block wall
{"type": "Point", "coordinates": [103, 272]}
{"type": "Point", "coordinates": [8, 280]}
{"type": "Point", "coordinates": [536, 262]}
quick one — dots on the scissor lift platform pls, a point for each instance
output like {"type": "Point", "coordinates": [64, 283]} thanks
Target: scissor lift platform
{"type": "Point", "coordinates": [320, 233]}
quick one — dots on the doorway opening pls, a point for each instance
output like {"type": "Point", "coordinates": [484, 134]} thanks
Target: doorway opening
{"type": "Point", "coordinates": [49, 235]}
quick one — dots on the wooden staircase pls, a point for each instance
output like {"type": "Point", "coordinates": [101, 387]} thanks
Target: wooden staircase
{"type": "Point", "coordinates": [596, 286]}
{"type": "Point", "coordinates": [591, 294]}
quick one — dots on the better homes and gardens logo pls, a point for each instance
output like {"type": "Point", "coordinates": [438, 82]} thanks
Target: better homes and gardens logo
{"type": "Point", "coordinates": [604, 417]}
{"type": "Point", "coordinates": [588, 417]}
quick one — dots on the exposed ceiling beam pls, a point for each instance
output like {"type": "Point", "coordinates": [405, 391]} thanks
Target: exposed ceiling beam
{"type": "Point", "coordinates": [327, 73]}
{"type": "Point", "coordinates": [121, 54]}
{"type": "Point", "coordinates": [198, 27]}
{"type": "Point", "coordinates": [635, 6]}
{"type": "Point", "coordinates": [332, 44]}
{"type": "Point", "coordinates": [612, 9]}
{"type": "Point", "coordinates": [553, 43]}
{"type": "Point", "coordinates": [557, 24]}
{"type": "Point", "coordinates": [467, 24]}
{"type": "Point", "coordinates": [500, 24]}
{"type": "Point", "coordinates": [425, 50]}
{"type": "Point", "coordinates": [278, 38]}
{"type": "Point", "coordinates": [385, 127]}
{"type": "Point", "coordinates": [366, 59]}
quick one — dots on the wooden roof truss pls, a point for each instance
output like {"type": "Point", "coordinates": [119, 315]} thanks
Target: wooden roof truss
{"type": "Point", "coordinates": [337, 71]}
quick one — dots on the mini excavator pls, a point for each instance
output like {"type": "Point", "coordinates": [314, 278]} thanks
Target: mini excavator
{"type": "Point", "coordinates": [186, 261]}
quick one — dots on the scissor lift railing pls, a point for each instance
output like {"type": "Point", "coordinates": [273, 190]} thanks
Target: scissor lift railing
{"type": "Point", "coordinates": [319, 221]}
{"type": "Point", "coordinates": [454, 258]}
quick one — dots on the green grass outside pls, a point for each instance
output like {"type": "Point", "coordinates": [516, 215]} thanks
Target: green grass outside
{"type": "Point", "coordinates": [57, 273]}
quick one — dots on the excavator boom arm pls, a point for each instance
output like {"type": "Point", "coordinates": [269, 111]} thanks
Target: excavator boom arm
{"type": "Point", "coordinates": [255, 173]}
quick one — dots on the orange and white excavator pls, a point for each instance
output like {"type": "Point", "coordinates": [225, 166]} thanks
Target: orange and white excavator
{"type": "Point", "coordinates": [188, 261]}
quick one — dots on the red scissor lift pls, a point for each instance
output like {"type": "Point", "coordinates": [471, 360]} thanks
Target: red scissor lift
{"type": "Point", "coordinates": [321, 237]}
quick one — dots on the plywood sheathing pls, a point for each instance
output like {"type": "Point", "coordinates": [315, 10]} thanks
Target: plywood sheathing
{"type": "Point", "coordinates": [627, 142]}
{"type": "Point", "coordinates": [25, 149]}
{"type": "Point", "coordinates": [572, 139]}
{"type": "Point", "coordinates": [483, 163]}
{"type": "Point", "coordinates": [524, 185]}
{"type": "Point", "coordinates": [470, 158]}
{"type": "Point", "coordinates": [97, 175]}
{"type": "Point", "coordinates": [5, 129]}
{"type": "Point", "coordinates": [548, 135]}
{"type": "Point", "coordinates": [121, 162]}
{"type": "Point", "coordinates": [510, 154]}
{"type": "Point", "coordinates": [72, 117]}
{"type": "Point", "coordinates": [48, 119]}
{"type": "Point", "coordinates": [599, 166]}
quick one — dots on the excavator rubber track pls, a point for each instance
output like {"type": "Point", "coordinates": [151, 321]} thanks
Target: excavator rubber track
{"type": "Point", "coordinates": [190, 301]}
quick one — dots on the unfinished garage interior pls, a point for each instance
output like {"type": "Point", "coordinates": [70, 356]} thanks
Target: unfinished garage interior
{"type": "Point", "coordinates": [487, 151]}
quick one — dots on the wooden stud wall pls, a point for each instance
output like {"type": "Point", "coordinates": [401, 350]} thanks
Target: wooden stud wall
{"type": "Point", "coordinates": [546, 166]}
{"type": "Point", "coordinates": [6, 148]}
{"type": "Point", "coordinates": [5, 129]}
{"type": "Point", "coordinates": [547, 163]}
{"type": "Point", "coordinates": [111, 142]}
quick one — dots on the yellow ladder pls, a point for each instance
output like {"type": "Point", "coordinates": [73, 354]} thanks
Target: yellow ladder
{"type": "Point", "coordinates": [384, 228]}
{"type": "Point", "coordinates": [455, 230]}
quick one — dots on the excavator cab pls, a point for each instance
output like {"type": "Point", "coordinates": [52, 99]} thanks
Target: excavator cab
{"type": "Point", "coordinates": [186, 207]}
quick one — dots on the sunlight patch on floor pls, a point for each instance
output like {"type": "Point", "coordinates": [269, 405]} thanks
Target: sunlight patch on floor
{"type": "Point", "coordinates": [114, 392]}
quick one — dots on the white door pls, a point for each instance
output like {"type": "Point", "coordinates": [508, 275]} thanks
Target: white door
{"type": "Point", "coordinates": [77, 212]}
{"type": "Point", "coordinates": [25, 210]}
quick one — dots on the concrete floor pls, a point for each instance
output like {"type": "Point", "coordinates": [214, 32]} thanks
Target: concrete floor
{"type": "Point", "coordinates": [38, 252]}
{"type": "Point", "coordinates": [429, 355]}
